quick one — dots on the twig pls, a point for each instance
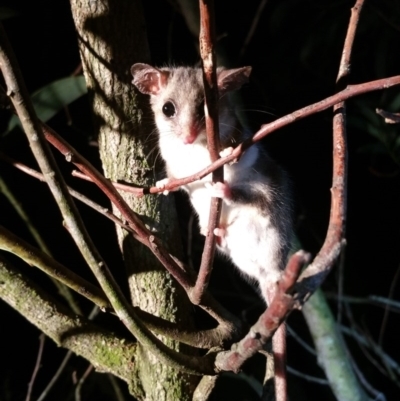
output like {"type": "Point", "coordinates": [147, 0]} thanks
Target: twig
{"type": "Point", "coordinates": [81, 381]}
{"type": "Point", "coordinates": [205, 388]}
{"type": "Point", "coordinates": [330, 250]}
{"type": "Point", "coordinates": [354, 332]}
{"type": "Point", "coordinates": [387, 307]}
{"type": "Point", "coordinates": [42, 339]}
{"type": "Point", "coordinates": [207, 52]}
{"type": "Point", "coordinates": [253, 27]}
{"type": "Point", "coordinates": [77, 195]}
{"type": "Point", "coordinates": [119, 396]}
{"type": "Point", "coordinates": [56, 376]}
{"type": "Point", "coordinates": [379, 396]}
{"type": "Point", "coordinates": [309, 378]}
{"type": "Point", "coordinates": [394, 306]}
{"type": "Point", "coordinates": [300, 340]}
{"type": "Point", "coordinates": [62, 289]}
{"type": "Point", "coordinates": [139, 192]}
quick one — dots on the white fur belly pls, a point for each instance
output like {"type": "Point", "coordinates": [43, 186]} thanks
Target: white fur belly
{"type": "Point", "coordinates": [251, 242]}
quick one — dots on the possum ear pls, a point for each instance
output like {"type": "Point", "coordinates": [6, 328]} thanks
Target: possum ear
{"type": "Point", "coordinates": [149, 80]}
{"type": "Point", "coordinates": [233, 79]}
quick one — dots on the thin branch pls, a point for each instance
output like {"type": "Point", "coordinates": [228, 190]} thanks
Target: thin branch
{"type": "Point", "coordinates": [207, 53]}
{"type": "Point", "coordinates": [332, 354]}
{"type": "Point", "coordinates": [42, 339]}
{"type": "Point", "coordinates": [56, 376]}
{"type": "Point", "coordinates": [309, 378]}
{"type": "Point", "coordinates": [378, 396]}
{"type": "Point", "coordinates": [253, 26]}
{"type": "Point", "coordinates": [354, 332]}
{"type": "Point", "coordinates": [119, 396]}
{"type": "Point", "coordinates": [137, 191]}
{"type": "Point", "coordinates": [62, 289]}
{"type": "Point", "coordinates": [300, 341]}
{"type": "Point", "coordinates": [77, 195]}
{"type": "Point", "coordinates": [385, 318]}
{"type": "Point", "coordinates": [81, 381]}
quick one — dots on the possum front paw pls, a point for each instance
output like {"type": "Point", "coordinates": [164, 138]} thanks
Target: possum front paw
{"type": "Point", "coordinates": [220, 233]}
{"type": "Point", "coordinates": [219, 190]}
{"type": "Point", "coordinates": [162, 184]}
{"type": "Point", "coordinates": [226, 152]}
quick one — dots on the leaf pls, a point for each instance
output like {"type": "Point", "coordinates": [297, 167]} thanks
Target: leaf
{"type": "Point", "coordinates": [50, 99]}
{"type": "Point", "coordinates": [6, 12]}
{"type": "Point", "coordinates": [394, 105]}
{"type": "Point", "coordinates": [376, 148]}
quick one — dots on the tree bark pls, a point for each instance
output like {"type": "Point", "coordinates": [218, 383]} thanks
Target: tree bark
{"type": "Point", "coordinates": [112, 37]}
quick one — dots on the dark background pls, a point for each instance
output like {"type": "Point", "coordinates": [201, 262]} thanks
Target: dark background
{"type": "Point", "coordinates": [295, 53]}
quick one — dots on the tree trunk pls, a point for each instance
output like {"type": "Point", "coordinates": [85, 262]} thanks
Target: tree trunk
{"type": "Point", "coordinates": [112, 37]}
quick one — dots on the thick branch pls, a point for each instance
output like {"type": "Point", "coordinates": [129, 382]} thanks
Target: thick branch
{"type": "Point", "coordinates": [11, 243]}
{"type": "Point", "coordinates": [103, 349]}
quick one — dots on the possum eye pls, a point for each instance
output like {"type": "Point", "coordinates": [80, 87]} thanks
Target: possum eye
{"type": "Point", "coordinates": [169, 109]}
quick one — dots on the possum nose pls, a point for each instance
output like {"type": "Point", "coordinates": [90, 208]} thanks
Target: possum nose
{"type": "Point", "coordinates": [191, 136]}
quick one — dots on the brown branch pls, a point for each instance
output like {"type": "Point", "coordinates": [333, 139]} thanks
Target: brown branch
{"type": "Point", "coordinates": [282, 304]}
{"type": "Point", "coordinates": [77, 195]}
{"type": "Point", "coordinates": [207, 53]}
{"type": "Point", "coordinates": [317, 271]}
{"type": "Point", "coordinates": [139, 192]}
{"type": "Point", "coordinates": [320, 322]}
{"type": "Point", "coordinates": [347, 93]}
{"type": "Point", "coordinates": [339, 119]}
